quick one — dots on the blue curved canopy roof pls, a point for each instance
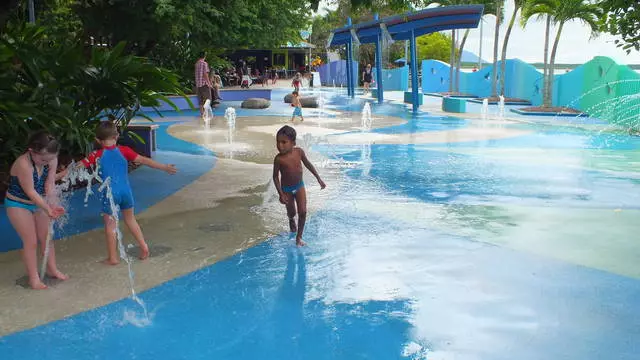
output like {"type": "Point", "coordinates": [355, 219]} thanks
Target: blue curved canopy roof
{"type": "Point", "coordinates": [421, 22]}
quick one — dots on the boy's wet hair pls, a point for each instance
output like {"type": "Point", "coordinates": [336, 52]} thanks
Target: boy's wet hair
{"type": "Point", "coordinates": [287, 131]}
{"type": "Point", "coordinates": [294, 93]}
{"type": "Point", "coordinates": [201, 54]}
{"type": "Point", "coordinates": [42, 141]}
{"type": "Point", "coordinates": [107, 130]}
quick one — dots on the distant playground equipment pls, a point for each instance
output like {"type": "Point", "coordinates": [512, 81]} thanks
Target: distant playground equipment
{"type": "Point", "coordinates": [400, 27]}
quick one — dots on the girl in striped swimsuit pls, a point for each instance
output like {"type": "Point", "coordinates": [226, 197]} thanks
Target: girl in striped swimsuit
{"type": "Point", "coordinates": [31, 203]}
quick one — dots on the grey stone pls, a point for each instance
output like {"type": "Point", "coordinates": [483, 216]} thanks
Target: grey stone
{"type": "Point", "coordinates": [255, 103]}
{"type": "Point", "coordinates": [309, 102]}
{"type": "Point", "coordinates": [288, 98]}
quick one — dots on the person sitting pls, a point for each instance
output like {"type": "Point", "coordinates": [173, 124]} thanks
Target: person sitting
{"type": "Point", "coordinates": [216, 82]}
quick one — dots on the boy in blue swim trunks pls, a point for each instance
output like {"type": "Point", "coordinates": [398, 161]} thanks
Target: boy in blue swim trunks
{"type": "Point", "coordinates": [295, 102]}
{"type": "Point", "coordinates": [287, 177]}
{"type": "Point", "coordinates": [113, 164]}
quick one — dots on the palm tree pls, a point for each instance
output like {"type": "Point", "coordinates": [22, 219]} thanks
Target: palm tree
{"type": "Point", "coordinates": [452, 58]}
{"type": "Point", "coordinates": [489, 9]}
{"type": "Point", "coordinates": [540, 10]}
{"type": "Point", "coordinates": [518, 4]}
{"type": "Point", "coordinates": [583, 11]}
{"type": "Point", "coordinates": [496, 38]}
{"type": "Point", "coordinates": [561, 12]}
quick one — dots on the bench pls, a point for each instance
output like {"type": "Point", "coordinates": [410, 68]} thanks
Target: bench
{"type": "Point", "coordinates": [454, 105]}
{"type": "Point", "coordinates": [147, 132]}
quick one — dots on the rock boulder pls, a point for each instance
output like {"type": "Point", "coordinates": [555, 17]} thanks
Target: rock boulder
{"type": "Point", "coordinates": [255, 103]}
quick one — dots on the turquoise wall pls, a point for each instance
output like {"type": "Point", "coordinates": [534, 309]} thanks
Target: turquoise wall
{"type": "Point", "coordinates": [435, 76]}
{"type": "Point", "coordinates": [393, 79]}
{"type": "Point", "coordinates": [522, 81]}
{"type": "Point", "coordinates": [599, 87]}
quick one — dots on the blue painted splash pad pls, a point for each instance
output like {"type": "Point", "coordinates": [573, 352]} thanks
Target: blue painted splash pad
{"type": "Point", "coordinates": [428, 253]}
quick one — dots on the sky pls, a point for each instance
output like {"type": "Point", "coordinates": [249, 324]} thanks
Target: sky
{"type": "Point", "coordinates": [527, 43]}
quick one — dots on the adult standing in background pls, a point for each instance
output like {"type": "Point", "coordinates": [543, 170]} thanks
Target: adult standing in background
{"type": "Point", "coordinates": [203, 83]}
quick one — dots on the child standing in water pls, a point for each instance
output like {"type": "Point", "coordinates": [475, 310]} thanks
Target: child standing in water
{"type": "Point", "coordinates": [113, 165]}
{"type": "Point", "coordinates": [31, 203]}
{"type": "Point", "coordinates": [297, 81]}
{"type": "Point", "coordinates": [287, 177]}
{"type": "Point", "coordinates": [295, 102]}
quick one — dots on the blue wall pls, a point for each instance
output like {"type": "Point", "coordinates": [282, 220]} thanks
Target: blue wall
{"type": "Point", "coordinates": [523, 80]}
{"type": "Point", "coordinates": [568, 87]}
{"type": "Point", "coordinates": [435, 76]}
{"type": "Point", "coordinates": [335, 72]}
{"type": "Point", "coordinates": [393, 79]}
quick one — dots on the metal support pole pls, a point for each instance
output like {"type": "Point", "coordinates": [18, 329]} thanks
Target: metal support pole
{"type": "Point", "coordinates": [349, 69]}
{"type": "Point", "coordinates": [350, 89]}
{"type": "Point", "coordinates": [414, 73]}
{"type": "Point", "coordinates": [32, 12]}
{"type": "Point", "coordinates": [480, 52]}
{"type": "Point", "coordinates": [379, 76]}
{"type": "Point", "coordinates": [406, 52]}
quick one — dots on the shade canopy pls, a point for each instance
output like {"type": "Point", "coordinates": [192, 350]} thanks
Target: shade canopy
{"type": "Point", "coordinates": [401, 27]}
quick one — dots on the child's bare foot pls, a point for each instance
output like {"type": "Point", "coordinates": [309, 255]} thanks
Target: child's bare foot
{"type": "Point", "coordinates": [111, 261]}
{"type": "Point", "coordinates": [300, 243]}
{"type": "Point", "coordinates": [57, 275]}
{"type": "Point", "coordinates": [144, 252]}
{"type": "Point", "coordinates": [292, 225]}
{"type": "Point", "coordinates": [37, 285]}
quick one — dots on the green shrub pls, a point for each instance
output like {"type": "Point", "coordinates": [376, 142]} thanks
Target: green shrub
{"type": "Point", "coordinates": [66, 89]}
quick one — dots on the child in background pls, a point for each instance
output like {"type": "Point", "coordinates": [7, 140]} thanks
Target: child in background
{"type": "Point", "coordinates": [297, 81]}
{"type": "Point", "coordinates": [31, 203]}
{"type": "Point", "coordinates": [295, 102]}
{"type": "Point", "coordinates": [113, 165]}
{"type": "Point", "coordinates": [287, 177]}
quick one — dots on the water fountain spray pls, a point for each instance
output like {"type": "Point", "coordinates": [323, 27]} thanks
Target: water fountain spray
{"type": "Point", "coordinates": [230, 115]}
{"type": "Point", "coordinates": [76, 173]}
{"type": "Point", "coordinates": [207, 114]}
{"type": "Point", "coordinates": [501, 108]}
{"type": "Point", "coordinates": [366, 117]}
{"type": "Point", "coordinates": [484, 112]}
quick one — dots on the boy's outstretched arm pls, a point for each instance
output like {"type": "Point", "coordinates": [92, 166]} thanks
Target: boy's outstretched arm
{"type": "Point", "coordinates": [168, 168]}
{"type": "Point", "coordinates": [311, 168]}
{"type": "Point", "coordinates": [276, 180]}
{"type": "Point", "coordinates": [131, 155]}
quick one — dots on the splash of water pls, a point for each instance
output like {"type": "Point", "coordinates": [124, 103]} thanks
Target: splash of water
{"type": "Point", "coordinates": [47, 248]}
{"type": "Point", "coordinates": [484, 112]}
{"type": "Point", "coordinates": [366, 117]}
{"type": "Point", "coordinates": [80, 173]}
{"type": "Point", "coordinates": [207, 114]}
{"type": "Point", "coordinates": [230, 115]}
{"type": "Point", "coordinates": [321, 103]}
{"type": "Point", "coordinates": [501, 108]}
{"type": "Point", "coordinates": [105, 187]}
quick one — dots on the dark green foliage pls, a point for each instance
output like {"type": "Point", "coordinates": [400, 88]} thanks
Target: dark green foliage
{"type": "Point", "coordinates": [623, 18]}
{"type": "Point", "coordinates": [60, 89]}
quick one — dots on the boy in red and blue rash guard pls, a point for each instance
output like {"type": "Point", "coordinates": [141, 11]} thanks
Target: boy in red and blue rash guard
{"type": "Point", "coordinates": [114, 165]}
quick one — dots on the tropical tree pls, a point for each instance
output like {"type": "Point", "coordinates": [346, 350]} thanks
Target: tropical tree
{"type": "Point", "coordinates": [496, 39]}
{"type": "Point", "coordinates": [489, 9]}
{"type": "Point", "coordinates": [533, 8]}
{"type": "Point", "coordinates": [435, 46]}
{"type": "Point", "coordinates": [622, 17]}
{"type": "Point", "coordinates": [60, 89]}
{"type": "Point", "coordinates": [560, 13]}
{"type": "Point", "coordinates": [452, 50]}
{"type": "Point", "coordinates": [518, 4]}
